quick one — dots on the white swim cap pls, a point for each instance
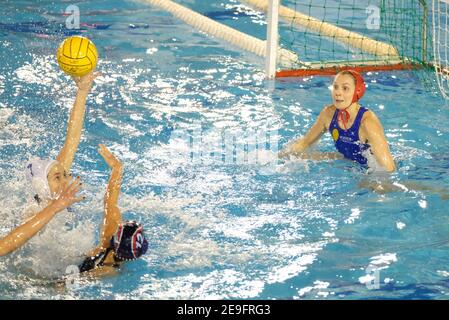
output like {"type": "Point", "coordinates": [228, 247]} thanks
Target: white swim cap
{"type": "Point", "coordinates": [36, 173]}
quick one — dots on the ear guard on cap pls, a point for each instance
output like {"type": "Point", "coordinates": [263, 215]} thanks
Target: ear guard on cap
{"type": "Point", "coordinates": [40, 187]}
{"type": "Point", "coordinates": [36, 174]}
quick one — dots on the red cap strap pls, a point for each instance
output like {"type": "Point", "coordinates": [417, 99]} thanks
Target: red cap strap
{"type": "Point", "coordinates": [344, 116]}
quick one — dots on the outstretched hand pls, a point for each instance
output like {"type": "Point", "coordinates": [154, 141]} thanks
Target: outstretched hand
{"type": "Point", "coordinates": [108, 157]}
{"type": "Point", "coordinates": [295, 148]}
{"type": "Point", "coordinates": [68, 196]}
{"type": "Point", "coordinates": [85, 82]}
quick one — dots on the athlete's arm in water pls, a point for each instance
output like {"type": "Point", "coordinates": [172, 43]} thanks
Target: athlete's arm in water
{"type": "Point", "coordinates": [374, 132]}
{"type": "Point", "coordinates": [383, 187]}
{"type": "Point", "coordinates": [112, 215]}
{"type": "Point", "coordinates": [76, 119]}
{"type": "Point", "coordinates": [18, 237]}
{"type": "Point", "coordinates": [299, 147]}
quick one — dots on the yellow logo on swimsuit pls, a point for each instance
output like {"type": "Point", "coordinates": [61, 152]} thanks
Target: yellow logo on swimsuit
{"type": "Point", "coordinates": [335, 134]}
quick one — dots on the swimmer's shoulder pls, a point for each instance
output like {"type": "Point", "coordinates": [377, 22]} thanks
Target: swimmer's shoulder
{"type": "Point", "coordinates": [327, 114]}
{"type": "Point", "coordinates": [369, 117]}
{"type": "Point", "coordinates": [329, 110]}
{"type": "Point", "coordinates": [369, 123]}
{"type": "Point", "coordinates": [98, 265]}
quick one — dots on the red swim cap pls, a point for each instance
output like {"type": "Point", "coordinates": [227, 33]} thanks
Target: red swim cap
{"type": "Point", "coordinates": [359, 86]}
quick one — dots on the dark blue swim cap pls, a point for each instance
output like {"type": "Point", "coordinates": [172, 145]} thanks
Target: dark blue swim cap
{"type": "Point", "coordinates": [129, 241]}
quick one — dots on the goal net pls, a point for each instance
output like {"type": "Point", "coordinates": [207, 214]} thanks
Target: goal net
{"type": "Point", "coordinates": [368, 35]}
{"type": "Point", "coordinates": [323, 37]}
{"type": "Point", "coordinates": [440, 34]}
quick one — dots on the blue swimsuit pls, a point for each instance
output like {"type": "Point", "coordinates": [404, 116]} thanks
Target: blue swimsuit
{"type": "Point", "coordinates": [348, 142]}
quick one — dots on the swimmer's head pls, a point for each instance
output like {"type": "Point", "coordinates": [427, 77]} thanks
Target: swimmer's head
{"type": "Point", "coordinates": [348, 87]}
{"type": "Point", "coordinates": [129, 241]}
{"type": "Point", "coordinates": [47, 177]}
{"type": "Point", "coordinates": [58, 179]}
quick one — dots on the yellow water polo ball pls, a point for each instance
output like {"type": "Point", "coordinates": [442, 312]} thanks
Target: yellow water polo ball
{"type": "Point", "coordinates": [77, 56]}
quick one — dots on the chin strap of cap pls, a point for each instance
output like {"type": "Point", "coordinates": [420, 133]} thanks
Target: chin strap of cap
{"type": "Point", "coordinates": [344, 116]}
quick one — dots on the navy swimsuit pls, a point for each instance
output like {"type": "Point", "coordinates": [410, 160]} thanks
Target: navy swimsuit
{"type": "Point", "coordinates": [97, 261]}
{"type": "Point", "coordinates": [348, 142]}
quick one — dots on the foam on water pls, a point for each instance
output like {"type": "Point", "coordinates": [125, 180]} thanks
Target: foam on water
{"type": "Point", "coordinates": [2, 86]}
{"type": "Point", "coordinates": [62, 243]}
{"type": "Point", "coordinates": [64, 240]}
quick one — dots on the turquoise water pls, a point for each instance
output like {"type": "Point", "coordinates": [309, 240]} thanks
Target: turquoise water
{"type": "Point", "coordinates": [285, 230]}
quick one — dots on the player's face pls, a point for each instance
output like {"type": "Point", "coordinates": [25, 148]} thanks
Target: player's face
{"type": "Point", "coordinates": [58, 179]}
{"type": "Point", "coordinates": [343, 91]}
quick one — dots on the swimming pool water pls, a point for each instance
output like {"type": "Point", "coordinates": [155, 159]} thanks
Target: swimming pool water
{"type": "Point", "coordinates": [301, 230]}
